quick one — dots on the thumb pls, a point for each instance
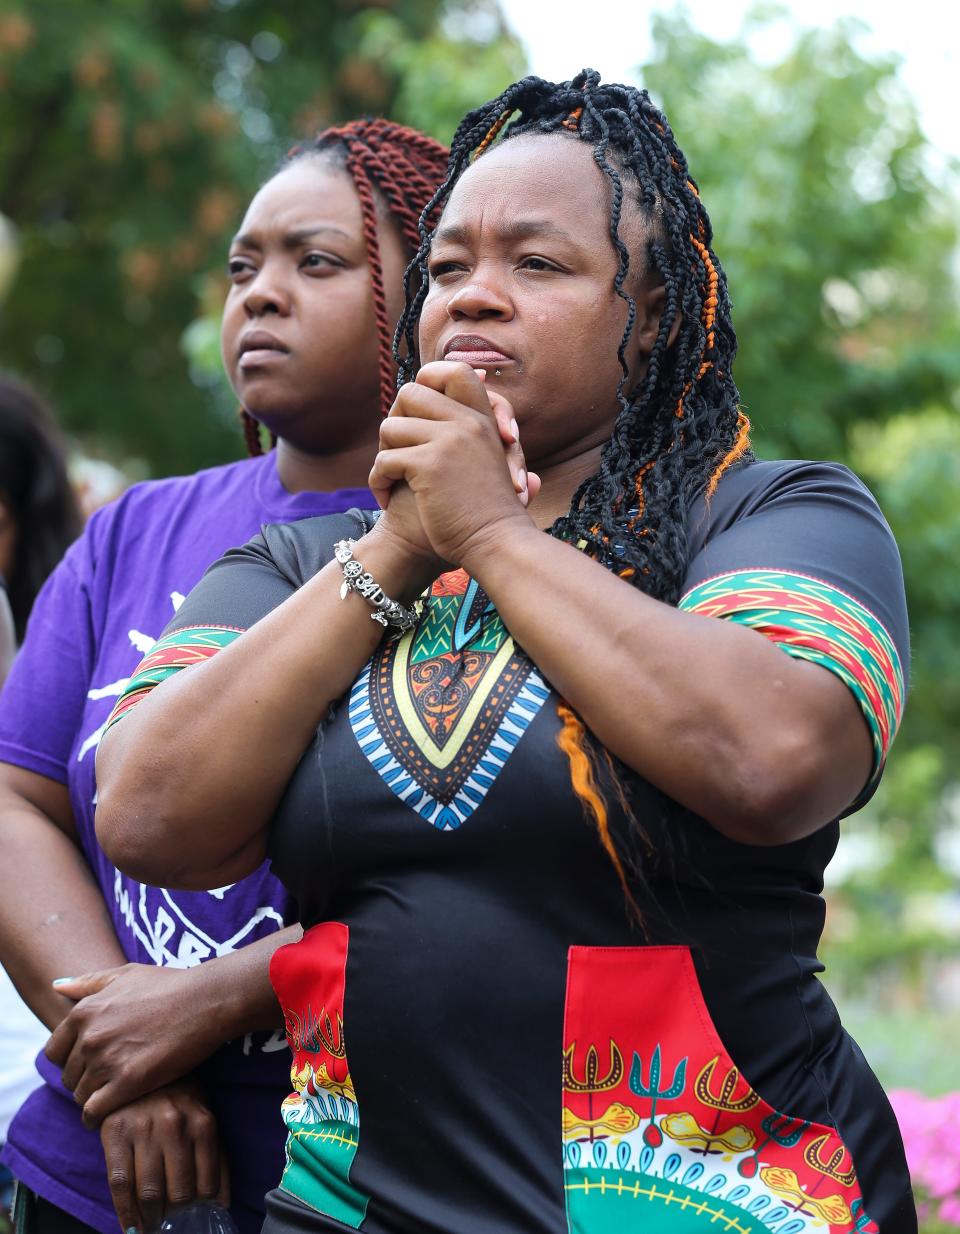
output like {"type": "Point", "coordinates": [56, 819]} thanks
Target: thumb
{"type": "Point", "coordinates": [79, 987]}
{"type": "Point", "coordinates": [503, 414]}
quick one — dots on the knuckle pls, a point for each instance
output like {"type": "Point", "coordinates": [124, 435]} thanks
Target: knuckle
{"type": "Point", "coordinates": [93, 1040]}
{"type": "Point", "coordinates": [477, 430]}
{"type": "Point", "coordinates": [172, 1120]}
{"type": "Point", "coordinates": [202, 1122]}
{"type": "Point", "coordinates": [150, 1193]}
{"type": "Point", "coordinates": [116, 1127]}
{"type": "Point", "coordinates": [119, 1181]}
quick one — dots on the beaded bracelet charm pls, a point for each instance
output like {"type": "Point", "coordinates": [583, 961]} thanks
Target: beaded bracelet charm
{"type": "Point", "coordinates": [389, 613]}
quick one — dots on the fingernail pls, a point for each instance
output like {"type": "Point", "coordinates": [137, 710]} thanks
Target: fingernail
{"type": "Point", "coordinates": [522, 480]}
{"type": "Point", "coordinates": [515, 429]}
{"type": "Point", "coordinates": [132, 1229]}
{"type": "Point", "coordinates": [64, 980]}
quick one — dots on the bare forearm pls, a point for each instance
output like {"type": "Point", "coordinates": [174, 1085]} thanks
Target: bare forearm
{"type": "Point", "coordinates": [189, 780]}
{"type": "Point", "coordinates": [53, 921]}
{"type": "Point", "coordinates": [710, 712]}
{"type": "Point", "coordinates": [237, 987]}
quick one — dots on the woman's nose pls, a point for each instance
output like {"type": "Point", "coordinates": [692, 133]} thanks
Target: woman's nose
{"type": "Point", "coordinates": [478, 300]}
{"type": "Point", "coordinates": [266, 294]}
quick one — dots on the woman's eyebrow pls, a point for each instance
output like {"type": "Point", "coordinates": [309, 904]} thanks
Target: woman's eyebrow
{"type": "Point", "coordinates": [510, 232]}
{"type": "Point", "coordinates": [292, 239]}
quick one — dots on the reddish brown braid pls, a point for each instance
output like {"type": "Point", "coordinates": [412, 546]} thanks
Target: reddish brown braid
{"type": "Point", "coordinates": [403, 168]}
{"type": "Point", "coordinates": [251, 433]}
{"type": "Point", "coordinates": [379, 158]}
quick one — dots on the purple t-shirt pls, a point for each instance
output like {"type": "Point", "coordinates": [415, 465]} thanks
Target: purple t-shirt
{"type": "Point", "coordinates": [99, 613]}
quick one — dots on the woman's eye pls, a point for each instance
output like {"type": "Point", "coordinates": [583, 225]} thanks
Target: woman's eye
{"type": "Point", "coordinates": [320, 261]}
{"type": "Point", "coordinates": [537, 263]}
{"type": "Point", "coordinates": [439, 268]}
{"type": "Point", "coordinates": [238, 266]}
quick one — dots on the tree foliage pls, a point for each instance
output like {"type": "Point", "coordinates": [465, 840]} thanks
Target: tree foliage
{"type": "Point", "coordinates": [132, 135]}
{"type": "Point", "coordinates": [837, 242]}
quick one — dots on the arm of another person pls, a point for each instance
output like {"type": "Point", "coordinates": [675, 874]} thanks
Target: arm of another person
{"type": "Point", "coordinates": [136, 1027]}
{"type": "Point", "coordinates": [128, 1035]}
{"type": "Point", "coordinates": [54, 921]}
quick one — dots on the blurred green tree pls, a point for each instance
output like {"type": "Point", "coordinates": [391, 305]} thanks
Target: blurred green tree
{"type": "Point", "coordinates": [836, 238]}
{"type": "Point", "coordinates": [132, 135]}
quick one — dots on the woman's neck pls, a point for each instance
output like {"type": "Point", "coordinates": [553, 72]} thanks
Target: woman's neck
{"type": "Point", "coordinates": [559, 481]}
{"type": "Point", "coordinates": [301, 471]}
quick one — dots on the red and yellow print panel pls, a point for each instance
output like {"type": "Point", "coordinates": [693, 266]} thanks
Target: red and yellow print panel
{"type": "Point", "coordinates": [661, 1131]}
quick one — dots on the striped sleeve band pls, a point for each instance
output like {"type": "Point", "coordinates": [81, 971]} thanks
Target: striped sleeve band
{"type": "Point", "coordinates": [168, 655]}
{"type": "Point", "coordinates": [813, 620]}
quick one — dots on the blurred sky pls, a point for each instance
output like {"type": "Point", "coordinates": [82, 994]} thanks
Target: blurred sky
{"type": "Point", "coordinates": [613, 36]}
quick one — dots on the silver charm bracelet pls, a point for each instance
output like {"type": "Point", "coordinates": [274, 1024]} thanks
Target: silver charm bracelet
{"type": "Point", "coordinates": [389, 613]}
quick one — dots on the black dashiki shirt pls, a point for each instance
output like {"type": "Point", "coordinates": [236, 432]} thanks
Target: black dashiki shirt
{"type": "Point", "coordinates": [483, 1040]}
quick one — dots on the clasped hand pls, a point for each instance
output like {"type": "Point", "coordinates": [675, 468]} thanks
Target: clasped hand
{"type": "Point", "coordinates": [451, 472]}
{"type": "Point", "coordinates": [125, 1050]}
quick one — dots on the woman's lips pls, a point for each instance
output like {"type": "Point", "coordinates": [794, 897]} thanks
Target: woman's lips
{"type": "Point", "coordinates": [478, 358]}
{"type": "Point", "coordinates": [475, 350]}
{"type": "Point", "coordinates": [259, 356]}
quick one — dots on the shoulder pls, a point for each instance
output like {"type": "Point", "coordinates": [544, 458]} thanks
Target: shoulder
{"type": "Point", "coordinates": [155, 499]}
{"type": "Point", "coordinates": [175, 508]}
{"type": "Point", "coordinates": [246, 583]}
{"type": "Point", "coordinates": [798, 528]}
{"type": "Point", "coordinates": [791, 487]}
{"type": "Point", "coordinates": [300, 550]}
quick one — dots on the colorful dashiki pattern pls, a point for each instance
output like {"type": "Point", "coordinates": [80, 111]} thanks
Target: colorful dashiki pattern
{"type": "Point", "coordinates": [813, 620]}
{"type": "Point", "coordinates": [438, 711]}
{"type": "Point", "coordinates": [321, 1114]}
{"type": "Point", "coordinates": [660, 1129]}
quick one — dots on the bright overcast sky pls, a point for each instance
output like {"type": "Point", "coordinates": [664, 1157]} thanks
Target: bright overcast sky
{"type": "Point", "coordinates": [613, 36]}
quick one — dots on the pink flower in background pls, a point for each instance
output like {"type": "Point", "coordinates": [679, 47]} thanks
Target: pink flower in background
{"type": "Point", "coordinates": [931, 1136]}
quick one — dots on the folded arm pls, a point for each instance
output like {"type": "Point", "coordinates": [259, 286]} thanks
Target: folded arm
{"type": "Point", "coordinates": [765, 747]}
{"type": "Point", "coordinates": [220, 742]}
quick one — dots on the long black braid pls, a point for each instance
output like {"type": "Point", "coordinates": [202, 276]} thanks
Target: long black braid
{"type": "Point", "coordinates": [682, 426]}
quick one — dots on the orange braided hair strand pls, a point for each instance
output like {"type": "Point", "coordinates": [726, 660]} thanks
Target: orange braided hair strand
{"type": "Point", "coordinates": [571, 739]}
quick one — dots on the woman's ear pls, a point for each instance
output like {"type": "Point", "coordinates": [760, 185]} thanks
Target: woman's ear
{"type": "Point", "coordinates": [650, 305]}
{"type": "Point", "coordinates": [650, 302]}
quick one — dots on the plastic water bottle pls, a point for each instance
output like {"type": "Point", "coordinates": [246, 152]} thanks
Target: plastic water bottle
{"type": "Point", "coordinates": [199, 1219]}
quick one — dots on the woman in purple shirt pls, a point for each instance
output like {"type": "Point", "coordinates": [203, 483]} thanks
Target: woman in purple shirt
{"type": "Point", "coordinates": [150, 1096]}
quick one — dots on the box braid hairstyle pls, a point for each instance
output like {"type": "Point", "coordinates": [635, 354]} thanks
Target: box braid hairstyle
{"type": "Point", "coordinates": [401, 166]}
{"type": "Point", "coordinates": [682, 427]}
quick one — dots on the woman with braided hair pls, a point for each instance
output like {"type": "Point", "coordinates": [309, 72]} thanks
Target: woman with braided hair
{"type": "Point", "coordinates": [558, 843]}
{"type": "Point", "coordinates": [141, 1093]}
